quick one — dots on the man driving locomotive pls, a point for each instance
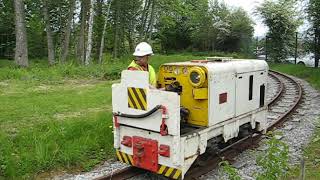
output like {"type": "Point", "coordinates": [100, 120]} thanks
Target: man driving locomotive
{"type": "Point", "coordinates": [142, 54]}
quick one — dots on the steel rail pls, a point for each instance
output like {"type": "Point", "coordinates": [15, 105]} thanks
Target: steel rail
{"type": "Point", "coordinates": [281, 86]}
{"type": "Point", "coordinates": [125, 173]}
{"type": "Point", "coordinates": [295, 103]}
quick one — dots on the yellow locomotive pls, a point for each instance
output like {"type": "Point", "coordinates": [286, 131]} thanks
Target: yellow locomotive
{"type": "Point", "coordinates": [165, 131]}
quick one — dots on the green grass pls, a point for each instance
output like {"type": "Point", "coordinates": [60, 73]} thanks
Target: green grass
{"type": "Point", "coordinates": [47, 126]}
{"type": "Point", "coordinates": [110, 70]}
{"type": "Point", "coordinates": [312, 151]}
{"type": "Point", "coordinates": [312, 155]}
{"type": "Point", "coordinates": [312, 75]}
{"type": "Point", "coordinates": [27, 104]}
{"type": "Point", "coordinates": [58, 117]}
{"type": "Point", "coordinates": [312, 160]}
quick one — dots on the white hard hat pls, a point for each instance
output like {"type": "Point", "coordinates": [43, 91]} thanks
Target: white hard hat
{"type": "Point", "coordinates": [143, 49]}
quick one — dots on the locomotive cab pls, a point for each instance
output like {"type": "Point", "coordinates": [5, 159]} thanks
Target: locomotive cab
{"type": "Point", "coordinates": [164, 131]}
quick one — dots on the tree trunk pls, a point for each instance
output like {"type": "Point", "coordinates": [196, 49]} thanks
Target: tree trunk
{"type": "Point", "coordinates": [116, 36]}
{"type": "Point", "coordinates": [51, 53]}
{"type": "Point", "coordinates": [21, 51]}
{"type": "Point", "coordinates": [67, 33]}
{"type": "Point", "coordinates": [90, 33]}
{"type": "Point", "coordinates": [104, 33]}
{"type": "Point", "coordinates": [213, 46]}
{"type": "Point", "coordinates": [130, 40]}
{"type": "Point", "coordinates": [317, 47]}
{"type": "Point", "coordinates": [98, 26]}
{"type": "Point", "coordinates": [144, 19]}
{"type": "Point", "coordinates": [150, 29]}
{"type": "Point", "coordinates": [81, 46]}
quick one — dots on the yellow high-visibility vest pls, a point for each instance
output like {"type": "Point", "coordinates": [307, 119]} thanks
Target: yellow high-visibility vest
{"type": "Point", "coordinates": [152, 72]}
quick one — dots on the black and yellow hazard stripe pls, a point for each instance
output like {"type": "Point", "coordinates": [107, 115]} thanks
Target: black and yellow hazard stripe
{"type": "Point", "coordinates": [163, 170]}
{"type": "Point", "coordinates": [170, 172]}
{"type": "Point", "coordinates": [137, 98]}
{"type": "Point", "coordinates": [125, 158]}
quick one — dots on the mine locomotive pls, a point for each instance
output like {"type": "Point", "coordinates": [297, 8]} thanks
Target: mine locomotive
{"type": "Point", "coordinates": [165, 129]}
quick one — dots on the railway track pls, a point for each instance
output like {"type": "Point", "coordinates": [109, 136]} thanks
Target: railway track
{"type": "Point", "coordinates": [286, 101]}
{"type": "Point", "coordinates": [284, 96]}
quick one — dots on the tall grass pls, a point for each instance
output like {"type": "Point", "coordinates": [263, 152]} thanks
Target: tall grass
{"type": "Point", "coordinates": [47, 126]}
{"type": "Point", "coordinates": [40, 71]}
{"type": "Point", "coordinates": [312, 75]}
{"type": "Point", "coordinates": [79, 142]}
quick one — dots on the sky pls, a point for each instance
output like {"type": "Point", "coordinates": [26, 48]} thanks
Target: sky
{"type": "Point", "coordinates": [249, 5]}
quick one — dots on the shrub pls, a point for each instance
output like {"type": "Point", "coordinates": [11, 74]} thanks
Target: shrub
{"type": "Point", "coordinates": [229, 170]}
{"type": "Point", "coordinates": [274, 161]}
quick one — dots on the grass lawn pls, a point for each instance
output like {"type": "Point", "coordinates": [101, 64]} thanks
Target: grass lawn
{"type": "Point", "coordinates": [312, 75]}
{"type": "Point", "coordinates": [312, 160]}
{"type": "Point", "coordinates": [312, 151]}
{"type": "Point", "coordinates": [312, 157]}
{"type": "Point", "coordinates": [44, 126]}
{"type": "Point", "coordinates": [57, 117]}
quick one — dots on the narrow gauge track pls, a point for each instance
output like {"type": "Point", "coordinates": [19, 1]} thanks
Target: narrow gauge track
{"type": "Point", "coordinates": [283, 100]}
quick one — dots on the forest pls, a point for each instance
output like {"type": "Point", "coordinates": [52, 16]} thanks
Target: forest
{"type": "Point", "coordinates": [84, 31]}
{"type": "Point", "coordinates": [93, 31]}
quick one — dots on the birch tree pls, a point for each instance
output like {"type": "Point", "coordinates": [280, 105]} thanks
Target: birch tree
{"type": "Point", "coordinates": [104, 32]}
{"type": "Point", "coordinates": [83, 24]}
{"type": "Point", "coordinates": [152, 18]}
{"type": "Point", "coordinates": [90, 33]}
{"type": "Point", "coordinates": [132, 21]}
{"type": "Point", "coordinates": [21, 50]}
{"type": "Point", "coordinates": [51, 52]}
{"type": "Point", "coordinates": [117, 29]}
{"type": "Point", "coordinates": [144, 19]}
{"type": "Point", "coordinates": [67, 33]}
{"type": "Point", "coordinates": [171, 25]}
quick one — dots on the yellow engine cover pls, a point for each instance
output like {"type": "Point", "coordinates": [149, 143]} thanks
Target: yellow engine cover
{"type": "Point", "coordinates": [194, 95]}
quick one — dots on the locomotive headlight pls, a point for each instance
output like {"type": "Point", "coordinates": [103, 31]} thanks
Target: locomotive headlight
{"type": "Point", "coordinates": [197, 76]}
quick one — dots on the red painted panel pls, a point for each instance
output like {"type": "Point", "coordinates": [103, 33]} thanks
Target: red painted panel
{"type": "Point", "coordinates": [145, 153]}
{"type": "Point", "coordinates": [127, 141]}
{"type": "Point", "coordinates": [164, 150]}
{"type": "Point", "coordinates": [223, 98]}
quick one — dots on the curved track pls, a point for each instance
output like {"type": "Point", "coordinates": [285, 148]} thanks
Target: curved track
{"type": "Point", "coordinates": [284, 96]}
{"type": "Point", "coordinates": [286, 101]}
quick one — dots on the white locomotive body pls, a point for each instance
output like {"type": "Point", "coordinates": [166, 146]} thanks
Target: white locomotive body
{"type": "Point", "coordinates": [165, 131]}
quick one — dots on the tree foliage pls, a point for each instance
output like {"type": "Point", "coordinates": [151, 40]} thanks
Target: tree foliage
{"type": "Point", "coordinates": [313, 12]}
{"type": "Point", "coordinates": [169, 25]}
{"type": "Point", "coordinates": [314, 17]}
{"type": "Point", "coordinates": [7, 38]}
{"type": "Point", "coordinates": [281, 17]}
{"type": "Point", "coordinates": [204, 26]}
